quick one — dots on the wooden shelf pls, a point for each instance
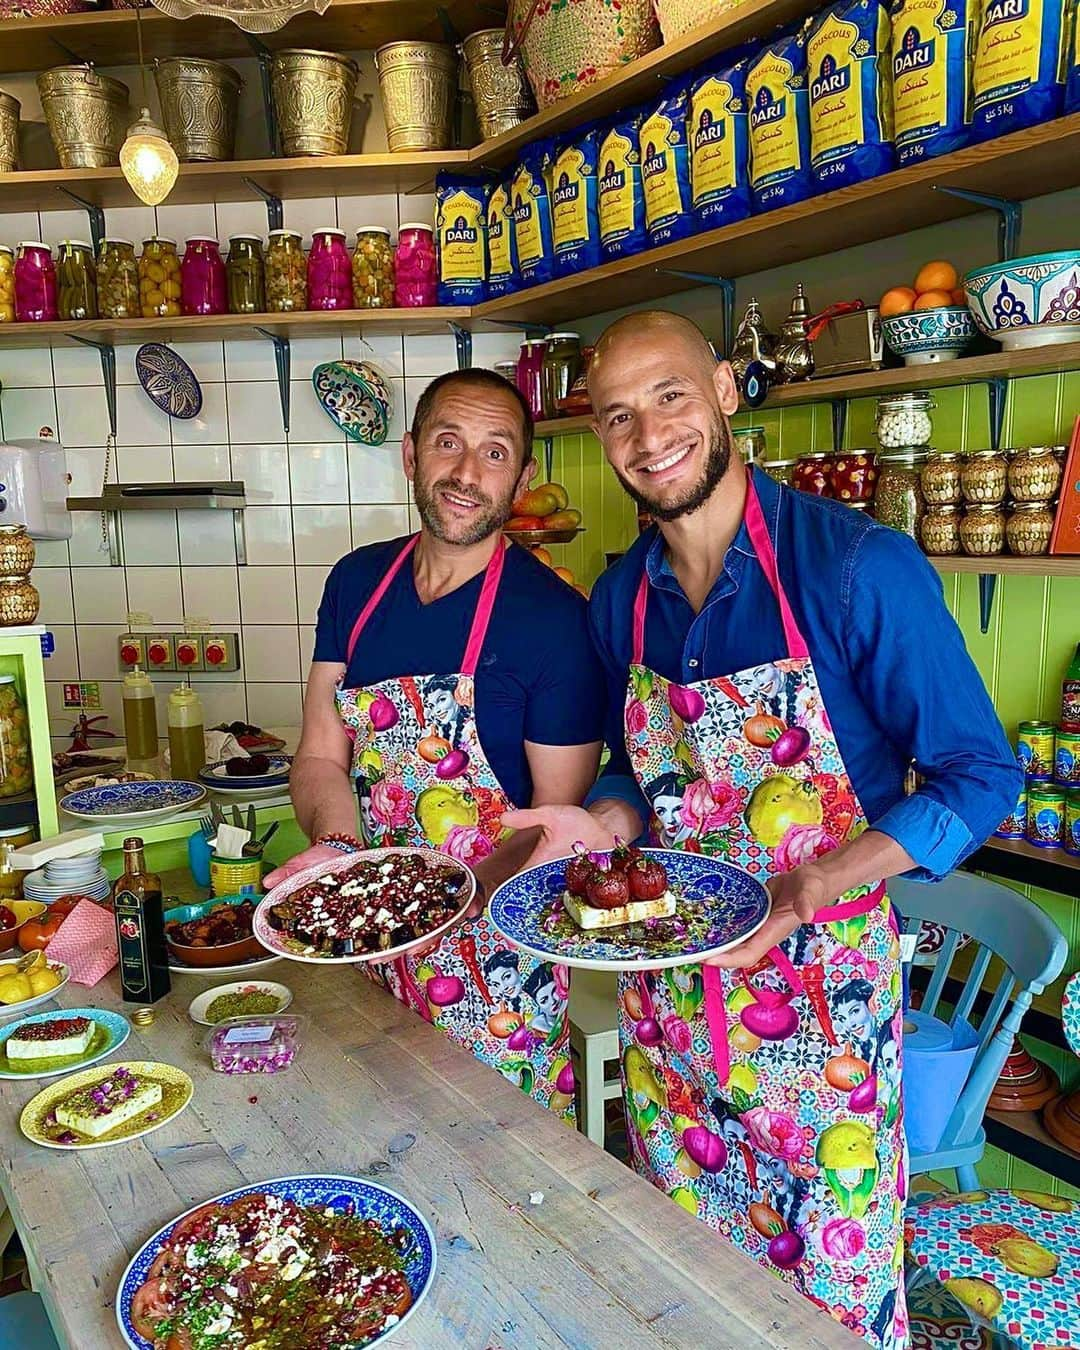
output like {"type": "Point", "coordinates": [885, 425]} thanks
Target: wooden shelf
{"type": "Point", "coordinates": [1023, 1134]}
{"type": "Point", "coordinates": [1007, 566]}
{"type": "Point", "coordinates": [1052, 869]}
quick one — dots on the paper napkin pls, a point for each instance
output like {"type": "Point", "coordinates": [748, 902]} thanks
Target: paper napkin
{"type": "Point", "coordinates": [86, 943]}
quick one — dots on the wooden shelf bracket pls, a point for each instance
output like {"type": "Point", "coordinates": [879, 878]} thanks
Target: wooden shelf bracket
{"type": "Point", "coordinates": [283, 366]}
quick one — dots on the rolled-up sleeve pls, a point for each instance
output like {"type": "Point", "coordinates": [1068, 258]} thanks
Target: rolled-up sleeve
{"type": "Point", "coordinates": [915, 677]}
{"type": "Point", "coordinates": [616, 778]}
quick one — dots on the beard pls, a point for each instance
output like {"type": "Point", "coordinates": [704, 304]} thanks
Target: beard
{"type": "Point", "coordinates": [493, 515]}
{"type": "Point", "coordinates": [716, 465]}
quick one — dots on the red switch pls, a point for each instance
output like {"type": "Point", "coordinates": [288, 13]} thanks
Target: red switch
{"type": "Point", "coordinates": [187, 653]}
{"type": "Point", "coordinates": [215, 653]}
{"type": "Point", "coordinates": [158, 653]}
{"type": "Point", "coordinates": [129, 653]}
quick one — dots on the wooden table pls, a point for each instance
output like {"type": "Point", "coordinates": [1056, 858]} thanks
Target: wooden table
{"type": "Point", "coordinates": [603, 1260]}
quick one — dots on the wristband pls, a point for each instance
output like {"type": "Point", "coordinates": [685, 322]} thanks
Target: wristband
{"type": "Point", "coordinates": [344, 843]}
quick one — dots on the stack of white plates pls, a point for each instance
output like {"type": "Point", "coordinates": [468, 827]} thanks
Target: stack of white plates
{"type": "Point", "coordinates": [82, 875]}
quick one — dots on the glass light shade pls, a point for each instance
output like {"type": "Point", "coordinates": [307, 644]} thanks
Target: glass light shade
{"type": "Point", "coordinates": [148, 160]}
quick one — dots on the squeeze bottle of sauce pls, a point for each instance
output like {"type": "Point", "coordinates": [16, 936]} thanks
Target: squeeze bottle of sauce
{"type": "Point", "coordinates": [187, 745]}
{"type": "Point", "coordinates": [140, 721]}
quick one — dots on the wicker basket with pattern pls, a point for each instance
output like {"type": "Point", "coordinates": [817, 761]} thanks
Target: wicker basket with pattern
{"type": "Point", "coordinates": [677, 17]}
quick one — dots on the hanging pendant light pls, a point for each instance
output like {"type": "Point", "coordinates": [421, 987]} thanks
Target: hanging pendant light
{"type": "Point", "coordinates": [148, 161]}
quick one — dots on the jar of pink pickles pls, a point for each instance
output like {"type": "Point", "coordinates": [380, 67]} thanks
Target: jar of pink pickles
{"type": "Point", "coordinates": [203, 286]}
{"type": "Point", "coordinates": [416, 276]}
{"type": "Point", "coordinates": [35, 283]}
{"type": "Point", "coordinates": [330, 280]}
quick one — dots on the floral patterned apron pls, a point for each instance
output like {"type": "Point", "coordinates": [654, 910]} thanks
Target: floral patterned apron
{"type": "Point", "coordinates": [423, 779]}
{"type": "Point", "coordinates": [767, 1101]}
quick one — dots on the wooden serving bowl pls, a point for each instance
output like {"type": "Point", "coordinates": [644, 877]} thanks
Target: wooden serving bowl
{"type": "Point", "coordinates": [23, 910]}
{"type": "Point", "coordinates": [224, 954]}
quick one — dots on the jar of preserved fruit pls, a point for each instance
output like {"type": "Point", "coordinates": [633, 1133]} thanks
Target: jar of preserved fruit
{"type": "Point", "coordinates": [286, 273]}
{"type": "Point", "coordinates": [1028, 527]}
{"type": "Point", "coordinates": [415, 270]}
{"type": "Point", "coordinates": [35, 283]}
{"type": "Point", "coordinates": [530, 374]}
{"type": "Point", "coordinates": [203, 288]}
{"type": "Point", "coordinates": [939, 530]}
{"type": "Point", "coordinates": [373, 268]}
{"type": "Point", "coordinates": [750, 443]}
{"type": "Point", "coordinates": [118, 280]}
{"type": "Point", "coordinates": [562, 362]}
{"type": "Point", "coordinates": [781, 470]}
{"type": "Point", "coordinates": [329, 271]}
{"type": "Point", "coordinates": [16, 770]}
{"type": "Point", "coordinates": [983, 477]}
{"type": "Point", "coordinates": [853, 474]}
{"type": "Point", "coordinates": [7, 284]}
{"type": "Point", "coordinates": [940, 479]}
{"type": "Point", "coordinates": [244, 275]}
{"type": "Point", "coordinates": [76, 280]}
{"type": "Point", "coordinates": [898, 499]}
{"type": "Point", "coordinates": [903, 420]}
{"type": "Point", "coordinates": [812, 474]}
{"type": "Point", "coordinates": [982, 530]}
{"type": "Point", "coordinates": [159, 278]}
{"type": "Point", "coordinates": [1034, 474]}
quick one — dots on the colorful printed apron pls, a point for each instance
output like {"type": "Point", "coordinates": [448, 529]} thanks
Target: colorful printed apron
{"type": "Point", "coordinates": [767, 1101]}
{"type": "Point", "coordinates": [424, 779]}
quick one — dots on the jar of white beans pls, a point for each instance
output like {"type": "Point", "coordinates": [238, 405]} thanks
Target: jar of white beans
{"type": "Point", "coordinates": [903, 420]}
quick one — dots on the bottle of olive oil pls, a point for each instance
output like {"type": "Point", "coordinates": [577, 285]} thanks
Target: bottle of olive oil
{"type": "Point", "coordinates": [140, 929]}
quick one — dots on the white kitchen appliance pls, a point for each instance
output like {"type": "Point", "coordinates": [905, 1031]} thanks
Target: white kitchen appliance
{"type": "Point", "coordinates": [34, 488]}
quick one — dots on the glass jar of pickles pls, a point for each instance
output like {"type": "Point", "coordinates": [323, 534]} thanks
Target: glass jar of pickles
{"type": "Point", "coordinates": [982, 530]}
{"type": "Point", "coordinates": [781, 470]}
{"type": "Point", "coordinates": [983, 477]}
{"type": "Point", "coordinates": [16, 771]}
{"type": "Point", "coordinates": [1034, 474]}
{"type": "Point", "coordinates": [1028, 527]}
{"type": "Point", "coordinates": [286, 273]}
{"type": "Point", "coordinates": [118, 280]}
{"type": "Point", "coordinates": [940, 479]}
{"type": "Point", "coordinates": [7, 284]}
{"type": "Point", "coordinates": [562, 362]}
{"type": "Point", "coordinates": [244, 275]}
{"type": "Point", "coordinates": [939, 530]}
{"type": "Point", "coordinates": [329, 271]}
{"type": "Point", "coordinates": [853, 474]}
{"type": "Point", "coordinates": [203, 288]}
{"type": "Point", "coordinates": [35, 283]}
{"type": "Point", "coordinates": [373, 268]}
{"type": "Point", "coordinates": [812, 474]}
{"type": "Point", "coordinates": [76, 280]}
{"type": "Point", "coordinates": [415, 272]}
{"type": "Point", "coordinates": [159, 279]}
{"type": "Point", "coordinates": [898, 499]}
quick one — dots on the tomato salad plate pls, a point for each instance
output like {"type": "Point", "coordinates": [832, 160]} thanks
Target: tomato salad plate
{"type": "Point", "coordinates": [315, 1261]}
{"type": "Point", "coordinates": [630, 909]}
{"type": "Point", "coordinates": [58, 1042]}
{"type": "Point", "coordinates": [375, 905]}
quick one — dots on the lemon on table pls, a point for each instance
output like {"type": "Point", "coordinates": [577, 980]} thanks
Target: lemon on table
{"type": "Point", "coordinates": [33, 961]}
{"type": "Point", "coordinates": [41, 981]}
{"type": "Point", "coordinates": [16, 989]}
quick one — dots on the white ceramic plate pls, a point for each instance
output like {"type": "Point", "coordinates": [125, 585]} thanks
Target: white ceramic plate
{"type": "Point", "coordinates": [10, 1010]}
{"type": "Point", "coordinates": [199, 1004]}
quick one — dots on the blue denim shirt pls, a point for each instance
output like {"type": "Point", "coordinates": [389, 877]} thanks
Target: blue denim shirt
{"type": "Point", "coordinates": [897, 681]}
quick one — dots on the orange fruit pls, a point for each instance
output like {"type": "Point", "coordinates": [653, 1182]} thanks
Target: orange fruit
{"type": "Point", "coordinates": [582, 591]}
{"type": "Point", "coordinates": [542, 555]}
{"type": "Point", "coordinates": [898, 300]}
{"type": "Point", "coordinates": [936, 276]}
{"type": "Point", "coordinates": [933, 299]}
{"type": "Point", "coordinates": [566, 575]}
{"type": "Point", "coordinates": [959, 296]}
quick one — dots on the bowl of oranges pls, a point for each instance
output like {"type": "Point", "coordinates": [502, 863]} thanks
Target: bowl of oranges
{"type": "Point", "coordinates": [929, 321]}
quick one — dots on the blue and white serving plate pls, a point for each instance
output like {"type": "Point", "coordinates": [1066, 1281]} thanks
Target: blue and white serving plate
{"type": "Point", "coordinates": [111, 1031]}
{"type": "Point", "coordinates": [364, 1198]}
{"type": "Point", "coordinates": [168, 380]}
{"type": "Point", "coordinates": [1070, 1013]}
{"type": "Point", "coordinates": [719, 906]}
{"type": "Point", "coordinates": [133, 801]}
{"type": "Point", "coordinates": [215, 775]}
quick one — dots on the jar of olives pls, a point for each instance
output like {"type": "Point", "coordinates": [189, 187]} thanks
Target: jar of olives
{"type": "Point", "coordinates": [76, 280]}
{"type": "Point", "coordinates": [286, 272]}
{"type": "Point", "coordinates": [118, 280]}
{"type": "Point", "coordinates": [983, 477]}
{"type": "Point", "coordinates": [159, 279]}
{"type": "Point", "coordinates": [202, 277]}
{"type": "Point", "coordinates": [244, 275]}
{"type": "Point", "coordinates": [373, 269]}
{"type": "Point", "coordinates": [898, 499]}
{"type": "Point", "coordinates": [982, 530]}
{"type": "Point", "coordinates": [939, 530]}
{"type": "Point", "coordinates": [35, 283]}
{"type": "Point", "coordinates": [7, 284]}
{"type": "Point", "coordinates": [1034, 474]}
{"type": "Point", "coordinates": [1028, 528]}
{"type": "Point", "coordinates": [16, 770]}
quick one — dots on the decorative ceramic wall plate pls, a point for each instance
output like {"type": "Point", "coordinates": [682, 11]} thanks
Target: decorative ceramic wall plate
{"type": "Point", "coordinates": [357, 397]}
{"type": "Point", "coordinates": [168, 380]}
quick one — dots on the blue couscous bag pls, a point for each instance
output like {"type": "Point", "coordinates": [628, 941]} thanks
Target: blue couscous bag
{"type": "Point", "coordinates": [847, 61]}
{"type": "Point", "coordinates": [461, 238]}
{"type": "Point", "coordinates": [620, 204]}
{"type": "Point", "coordinates": [502, 267]}
{"type": "Point", "coordinates": [530, 209]}
{"type": "Point", "coordinates": [931, 77]}
{"type": "Point", "coordinates": [780, 124]}
{"type": "Point", "coordinates": [575, 222]}
{"type": "Point", "coordinates": [719, 134]}
{"type": "Point", "coordinates": [665, 166]}
{"type": "Point", "coordinates": [1072, 77]}
{"type": "Point", "coordinates": [1018, 77]}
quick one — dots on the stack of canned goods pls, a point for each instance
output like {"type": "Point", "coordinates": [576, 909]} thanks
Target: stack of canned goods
{"type": "Point", "coordinates": [1047, 813]}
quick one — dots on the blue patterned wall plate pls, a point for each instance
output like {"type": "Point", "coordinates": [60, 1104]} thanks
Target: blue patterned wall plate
{"type": "Point", "coordinates": [719, 905]}
{"type": "Point", "coordinates": [366, 1198]}
{"type": "Point", "coordinates": [356, 395]}
{"type": "Point", "coordinates": [1070, 1013]}
{"type": "Point", "coordinates": [111, 1032]}
{"type": "Point", "coordinates": [132, 801]}
{"type": "Point", "coordinates": [168, 380]}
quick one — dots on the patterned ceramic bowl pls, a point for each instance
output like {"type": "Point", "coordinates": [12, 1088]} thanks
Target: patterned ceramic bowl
{"type": "Point", "coordinates": [1029, 302]}
{"type": "Point", "coordinates": [357, 396]}
{"type": "Point", "coordinates": [928, 335]}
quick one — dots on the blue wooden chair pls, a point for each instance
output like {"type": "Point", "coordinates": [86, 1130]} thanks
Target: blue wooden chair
{"type": "Point", "coordinates": [23, 1324]}
{"type": "Point", "coordinates": [1002, 923]}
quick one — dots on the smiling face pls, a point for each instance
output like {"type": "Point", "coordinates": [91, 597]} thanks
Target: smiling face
{"type": "Point", "coordinates": [469, 462]}
{"type": "Point", "coordinates": [504, 982]}
{"type": "Point", "coordinates": [853, 1020]}
{"type": "Point", "coordinates": [547, 999]}
{"type": "Point", "coordinates": [662, 403]}
{"type": "Point", "coordinates": [442, 705]}
{"type": "Point", "coordinates": [667, 810]}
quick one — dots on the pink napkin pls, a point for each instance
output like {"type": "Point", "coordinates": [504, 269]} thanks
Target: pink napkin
{"type": "Point", "coordinates": [86, 943]}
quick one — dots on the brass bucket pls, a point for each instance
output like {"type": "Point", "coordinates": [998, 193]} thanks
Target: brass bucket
{"type": "Point", "coordinates": [313, 100]}
{"type": "Point", "coordinates": [418, 86]}
{"type": "Point", "coordinates": [198, 105]}
{"type": "Point", "coordinates": [87, 114]}
{"type": "Point", "coordinates": [501, 93]}
{"type": "Point", "coordinates": [9, 133]}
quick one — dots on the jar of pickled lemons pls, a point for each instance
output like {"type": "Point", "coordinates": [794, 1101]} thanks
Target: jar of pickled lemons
{"type": "Point", "coordinates": [159, 279]}
{"type": "Point", "coordinates": [7, 284]}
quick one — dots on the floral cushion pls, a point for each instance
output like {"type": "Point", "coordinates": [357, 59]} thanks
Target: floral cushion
{"type": "Point", "coordinates": [1012, 1258]}
{"type": "Point", "coordinates": [1070, 1013]}
{"type": "Point", "coordinates": [937, 1321]}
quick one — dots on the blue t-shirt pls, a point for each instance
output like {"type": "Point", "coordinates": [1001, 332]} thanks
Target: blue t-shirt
{"type": "Point", "coordinates": [538, 679]}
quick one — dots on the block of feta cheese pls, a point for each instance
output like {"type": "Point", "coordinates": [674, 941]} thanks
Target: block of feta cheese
{"type": "Point", "coordinates": [58, 1039]}
{"type": "Point", "coordinates": [588, 916]}
{"type": "Point", "coordinates": [97, 1109]}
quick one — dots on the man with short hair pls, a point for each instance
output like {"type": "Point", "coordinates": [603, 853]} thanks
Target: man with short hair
{"type": "Point", "coordinates": [453, 677]}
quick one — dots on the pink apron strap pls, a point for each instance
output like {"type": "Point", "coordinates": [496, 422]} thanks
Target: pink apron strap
{"type": "Point", "coordinates": [376, 595]}
{"type": "Point", "coordinates": [716, 1017]}
{"type": "Point", "coordinates": [484, 607]}
{"type": "Point", "coordinates": [766, 556]}
{"type": "Point", "coordinates": [640, 601]}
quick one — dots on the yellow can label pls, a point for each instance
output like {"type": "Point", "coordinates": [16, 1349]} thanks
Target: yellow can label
{"type": "Point", "coordinates": [920, 66]}
{"type": "Point", "coordinates": [1008, 50]}
{"type": "Point", "coordinates": [615, 188]}
{"type": "Point", "coordinates": [659, 177]}
{"type": "Point", "coordinates": [712, 144]}
{"type": "Point", "coordinates": [569, 204]}
{"type": "Point", "coordinates": [498, 232]}
{"type": "Point", "coordinates": [527, 236]}
{"type": "Point", "coordinates": [774, 131]}
{"type": "Point", "coordinates": [461, 237]}
{"type": "Point", "coordinates": [836, 112]}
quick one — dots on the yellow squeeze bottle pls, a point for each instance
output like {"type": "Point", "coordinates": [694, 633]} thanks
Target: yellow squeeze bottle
{"type": "Point", "coordinates": [140, 721]}
{"type": "Point", "coordinates": [187, 743]}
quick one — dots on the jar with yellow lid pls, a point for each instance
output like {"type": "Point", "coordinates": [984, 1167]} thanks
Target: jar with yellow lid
{"type": "Point", "coordinates": [159, 279]}
{"type": "Point", "coordinates": [940, 479]}
{"type": "Point", "coordinates": [76, 280]}
{"type": "Point", "coordinates": [286, 273]}
{"type": "Point", "coordinates": [1034, 474]}
{"type": "Point", "coordinates": [982, 530]}
{"type": "Point", "coordinates": [373, 268]}
{"type": "Point", "coordinates": [983, 477]}
{"type": "Point", "coordinates": [939, 530]}
{"type": "Point", "coordinates": [7, 284]}
{"type": "Point", "coordinates": [118, 280]}
{"type": "Point", "coordinates": [1028, 527]}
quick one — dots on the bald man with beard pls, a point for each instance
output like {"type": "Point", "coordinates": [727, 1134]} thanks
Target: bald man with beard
{"type": "Point", "coordinates": [742, 586]}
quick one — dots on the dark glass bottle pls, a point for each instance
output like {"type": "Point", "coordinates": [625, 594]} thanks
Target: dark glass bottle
{"type": "Point", "coordinates": [140, 929]}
